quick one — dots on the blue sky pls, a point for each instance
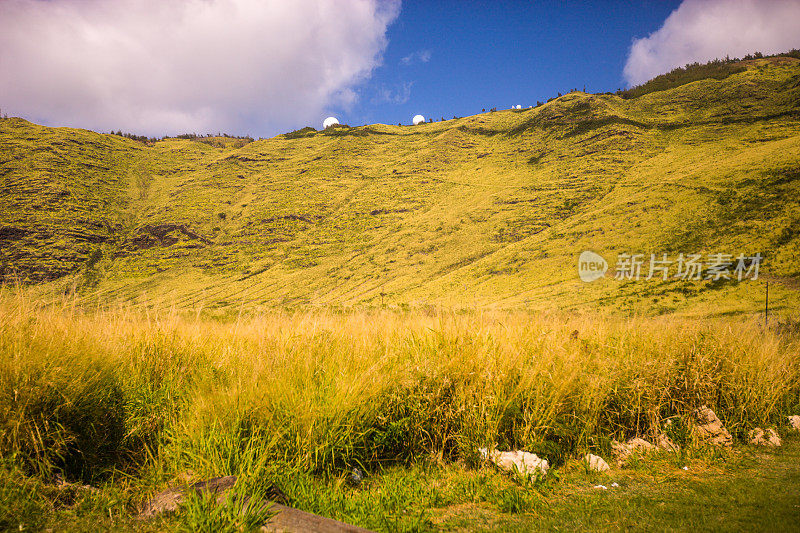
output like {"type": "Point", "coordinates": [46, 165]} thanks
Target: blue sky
{"type": "Point", "coordinates": [465, 56]}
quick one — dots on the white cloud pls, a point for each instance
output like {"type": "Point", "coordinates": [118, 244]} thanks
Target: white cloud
{"type": "Point", "coordinates": [171, 66]}
{"type": "Point", "coordinates": [702, 30]}
{"type": "Point", "coordinates": [421, 56]}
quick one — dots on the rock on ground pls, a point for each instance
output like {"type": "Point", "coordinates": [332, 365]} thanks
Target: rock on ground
{"type": "Point", "coordinates": [665, 443]}
{"type": "Point", "coordinates": [709, 428]}
{"type": "Point", "coordinates": [760, 437]}
{"type": "Point", "coordinates": [525, 463]}
{"type": "Point", "coordinates": [624, 450]}
{"type": "Point", "coordinates": [170, 500]}
{"type": "Point", "coordinates": [596, 463]}
{"type": "Point", "coordinates": [285, 519]}
{"type": "Point", "coordinates": [794, 422]}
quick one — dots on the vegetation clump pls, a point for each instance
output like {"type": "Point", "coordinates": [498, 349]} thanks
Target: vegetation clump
{"type": "Point", "coordinates": [717, 69]}
{"type": "Point", "coordinates": [342, 130]}
{"type": "Point", "coordinates": [308, 131]}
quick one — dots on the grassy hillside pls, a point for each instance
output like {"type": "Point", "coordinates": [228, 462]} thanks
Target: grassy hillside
{"type": "Point", "coordinates": [487, 210]}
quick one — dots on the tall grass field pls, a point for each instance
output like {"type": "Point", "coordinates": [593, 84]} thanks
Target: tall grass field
{"type": "Point", "coordinates": [297, 400]}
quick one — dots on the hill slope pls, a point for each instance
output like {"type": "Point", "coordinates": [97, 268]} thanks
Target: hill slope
{"type": "Point", "coordinates": [491, 209]}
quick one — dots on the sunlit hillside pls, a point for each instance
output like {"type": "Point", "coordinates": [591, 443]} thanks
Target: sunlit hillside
{"type": "Point", "coordinates": [490, 210]}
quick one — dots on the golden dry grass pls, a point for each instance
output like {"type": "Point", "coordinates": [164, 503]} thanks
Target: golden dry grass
{"type": "Point", "coordinates": [326, 390]}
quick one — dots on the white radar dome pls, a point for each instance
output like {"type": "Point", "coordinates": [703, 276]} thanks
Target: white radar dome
{"type": "Point", "coordinates": [418, 119]}
{"type": "Point", "coordinates": [330, 121]}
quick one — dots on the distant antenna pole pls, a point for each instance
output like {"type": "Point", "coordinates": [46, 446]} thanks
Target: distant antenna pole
{"type": "Point", "coordinates": [766, 308]}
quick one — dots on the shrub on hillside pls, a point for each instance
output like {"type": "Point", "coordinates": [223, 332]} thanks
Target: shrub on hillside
{"type": "Point", "coordinates": [308, 131]}
{"type": "Point", "coordinates": [717, 69]}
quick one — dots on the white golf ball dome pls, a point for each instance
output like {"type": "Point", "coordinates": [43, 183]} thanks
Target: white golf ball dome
{"type": "Point", "coordinates": [418, 119]}
{"type": "Point", "coordinates": [330, 121]}
{"type": "Point", "coordinates": [519, 106]}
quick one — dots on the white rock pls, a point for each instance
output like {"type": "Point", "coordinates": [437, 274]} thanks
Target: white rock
{"type": "Point", "coordinates": [759, 437]}
{"type": "Point", "coordinates": [686, 468]}
{"type": "Point", "coordinates": [794, 422]}
{"type": "Point", "coordinates": [596, 463]}
{"type": "Point", "coordinates": [600, 487]}
{"type": "Point", "coordinates": [615, 484]}
{"type": "Point", "coordinates": [524, 463]}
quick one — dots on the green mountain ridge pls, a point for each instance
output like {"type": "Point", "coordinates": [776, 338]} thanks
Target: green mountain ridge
{"type": "Point", "coordinates": [490, 210]}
